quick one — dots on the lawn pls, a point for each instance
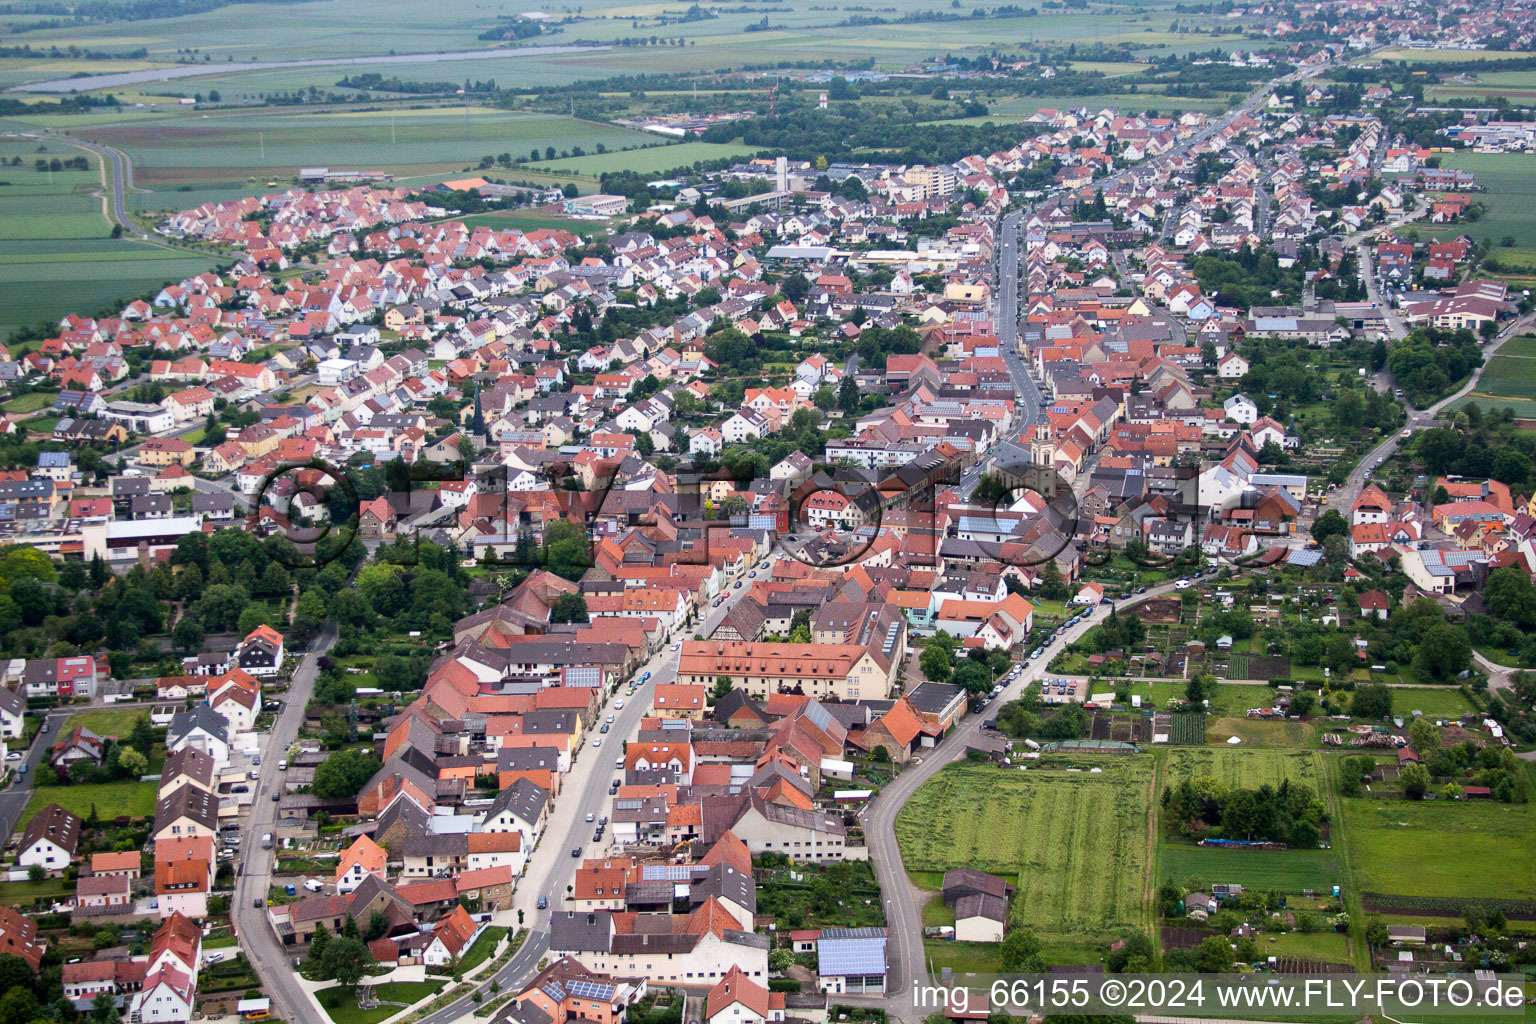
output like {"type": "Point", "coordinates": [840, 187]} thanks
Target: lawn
{"type": "Point", "coordinates": [963, 957]}
{"type": "Point", "coordinates": [1332, 947]}
{"type": "Point", "coordinates": [1440, 702]}
{"type": "Point", "coordinates": [482, 948]}
{"type": "Point", "coordinates": [407, 992]}
{"type": "Point", "coordinates": [29, 403]}
{"type": "Point", "coordinates": [109, 799]}
{"type": "Point", "coordinates": [111, 722]}
{"type": "Point", "coordinates": [1403, 847]}
{"type": "Point", "coordinates": [340, 1002]}
{"type": "Point", "coordinates": [1282, 870]}
{"type": "Point", "coordinates": [1259, 733]}
{"type": "Point", "coordinates": [1076, 842]}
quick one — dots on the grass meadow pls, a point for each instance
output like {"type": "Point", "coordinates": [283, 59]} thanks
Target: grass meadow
{"type": "Point", "coordinates": [1402, 847]}
{"type": "Point", "coordinates": [1075, 842]}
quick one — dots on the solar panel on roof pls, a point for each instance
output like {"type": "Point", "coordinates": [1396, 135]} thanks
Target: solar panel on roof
{"type": "Point", "coordinates": [666, 873]}
{"type": "Point", "coordinates": [851, 957]}
{"type": "Point", "coordinates": [818, 715]}
{"type": "Point", "coordinates": [591, 990]}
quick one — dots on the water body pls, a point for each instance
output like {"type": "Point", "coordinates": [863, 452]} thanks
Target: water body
{"type": "Point", "coordinates": [118, 80]}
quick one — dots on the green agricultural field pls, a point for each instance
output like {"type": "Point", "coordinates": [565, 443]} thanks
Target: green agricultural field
{"type": "Point", "coordinates": [1278, 870]}
{"type": "Point", "coordinates": [1076, 842]}
{"type": "Point", "coordinates": [1510, 198]}
{"type": "Point", "coordinates": [56, 253]}
{"type": "Point", "coordinates": [36, 290]}
{"type": "Point", "coordinates": [228, 146]}
{"type": "Point", "coordinates": [1403, 847]}
{"type": "Point", "coordinates": [1412, 55]}
{"type": "Point", "coordinates": [800, 30]}
{"type": "Point", "coordinates": [1509, 379]}
{"type": "Point", "coordinates": [651, 161]}
{"type": "Point", "coordinates": [1247, 769]}
{"type": "Point", "coordinates": [108, 799]}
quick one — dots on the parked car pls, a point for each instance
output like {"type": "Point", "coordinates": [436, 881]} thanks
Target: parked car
{"type": "Point", "coordinates": [575, 851]}
{"type": "Point", "coordinates": [257, 902]}
{"type": "Point", "coordinates": [14, 755]}
{"type": "Point", "coordinates": [597, 742]}
{"type": "Point", "coordinates": [605, 728]}
{"type": "Point", "coordinates": [618, 705]}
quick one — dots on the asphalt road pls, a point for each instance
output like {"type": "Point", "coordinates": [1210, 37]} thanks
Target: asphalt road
{"type": "Point", "coordinates": [13, 800]}
{"type": "Point", "coordinates": [1343, 497]}
{"type": "Point", "coordinates": [904, 926]}
{"type": "Point", "coordinates": [551, 866]}
{"type": "Point", "coordinates": [119, 167]}
{"type": "Point", "coordinates": [266, 954]}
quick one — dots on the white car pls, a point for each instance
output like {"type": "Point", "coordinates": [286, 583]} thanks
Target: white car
{"type": "Point", "coordinates": [618, 705]}
{"type": "Point", "coordinates": [1181, 585]}
{"type": "Point", "coordinates": [14, 755]}
{"type": "Point", "coordinates": [597, 742]}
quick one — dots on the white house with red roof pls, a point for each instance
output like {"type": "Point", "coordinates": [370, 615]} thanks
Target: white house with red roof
{"type": "Point", "coordinates": [737, 999]}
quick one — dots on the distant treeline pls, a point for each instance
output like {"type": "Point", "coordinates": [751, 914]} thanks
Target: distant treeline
{"type": "Point", "coordinates": [69, 105]}
{"type": "Point", "coordinates": [69, 53]}
{"type": "Point", "coordinates": [374, 82]}
{"type": "Point", "coordinates": [510, 27]}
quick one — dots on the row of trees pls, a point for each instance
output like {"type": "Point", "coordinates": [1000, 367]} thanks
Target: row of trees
{"type": "Point", "coordinates": [1204, 806]}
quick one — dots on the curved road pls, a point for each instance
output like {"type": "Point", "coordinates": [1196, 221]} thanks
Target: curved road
{"type": "Point", "coordinates": [903, 915]}
{"type": "Point", "coordinates": [117, 177]}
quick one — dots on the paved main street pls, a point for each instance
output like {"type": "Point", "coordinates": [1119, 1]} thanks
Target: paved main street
{"type": "Point", "coordinates": [550, 868]}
